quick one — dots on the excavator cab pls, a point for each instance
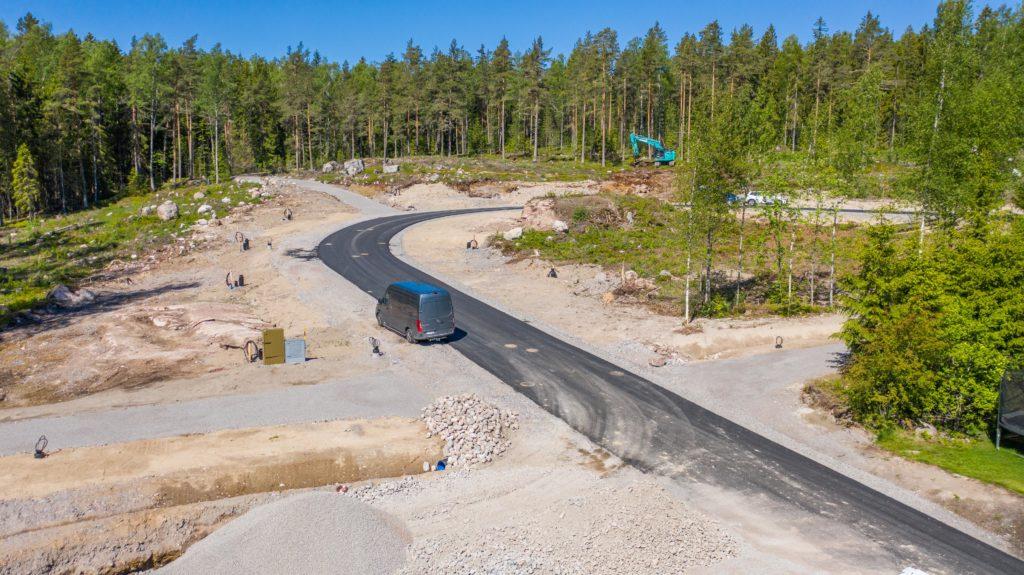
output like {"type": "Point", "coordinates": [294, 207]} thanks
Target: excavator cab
{"type": "Point", "coordinates": [659, 155]}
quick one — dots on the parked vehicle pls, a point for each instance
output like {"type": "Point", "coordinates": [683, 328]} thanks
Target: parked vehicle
{"type": "Point", "coordinates": [755, 198]}
{"type": "Point", "coordinates": [417, 311]}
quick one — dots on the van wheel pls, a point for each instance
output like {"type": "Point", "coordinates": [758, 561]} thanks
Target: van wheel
{"type": "Point", "coordinates": [408, 337]}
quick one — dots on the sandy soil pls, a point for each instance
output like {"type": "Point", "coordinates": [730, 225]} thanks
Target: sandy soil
{"type": "Point", "coordinates": [175, 332]}
{"type": "Point", "coordinates": [554, 500]}
{"type": "Point", "coordinates": [573, 301]}
{"type": "Point", "coordinates": [631, 334]}
{"type": "Point", "coordinates": [437, 196]}
{"type": "Point", "coordinates": [128, 506]}
{"type": "Point", "coordinates": [232, 462]}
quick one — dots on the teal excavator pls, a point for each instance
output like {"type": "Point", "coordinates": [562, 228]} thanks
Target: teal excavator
{"type": "Point", "coordinates": [661, 156]}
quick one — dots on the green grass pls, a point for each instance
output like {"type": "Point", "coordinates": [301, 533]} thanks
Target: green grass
{"type": "Point", "coordinates": [656, 242]}
{"type": "Point", "coordinates": [43, 252]}
{"type": "Point", "coordinates": [977, 458]}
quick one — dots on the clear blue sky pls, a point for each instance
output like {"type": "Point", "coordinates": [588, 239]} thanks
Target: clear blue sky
{"type": "Point", "coordinates": [348, 30]}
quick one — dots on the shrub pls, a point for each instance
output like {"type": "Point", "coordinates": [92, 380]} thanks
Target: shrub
{"type": "Point", "coordinates": [932, 332]}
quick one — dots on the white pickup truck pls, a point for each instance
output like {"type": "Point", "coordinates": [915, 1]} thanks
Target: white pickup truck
{"type": "Point", "coordinates": [755, 198]}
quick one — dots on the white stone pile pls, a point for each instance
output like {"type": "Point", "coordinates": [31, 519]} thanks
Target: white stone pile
{"type": "Point", "coordinates": [473, 430]}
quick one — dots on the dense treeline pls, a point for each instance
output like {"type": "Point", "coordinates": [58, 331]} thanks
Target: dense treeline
{"type": "Point", "coordinates": [89, 118]}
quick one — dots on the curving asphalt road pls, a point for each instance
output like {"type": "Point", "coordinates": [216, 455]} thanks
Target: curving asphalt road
{"type": "Point", "coordinates": [654, 429]}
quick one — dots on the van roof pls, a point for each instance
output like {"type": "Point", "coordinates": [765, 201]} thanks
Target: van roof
{"type": "Point", "coordinates": [420, 288]}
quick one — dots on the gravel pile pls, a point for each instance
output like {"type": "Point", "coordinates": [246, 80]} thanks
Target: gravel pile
{"type": "Point", "coordinates": [609, 531]}
{"type": "Point", "coordinates": [316, 532]}
{"type": "Point", "coordinates": [473, 430]}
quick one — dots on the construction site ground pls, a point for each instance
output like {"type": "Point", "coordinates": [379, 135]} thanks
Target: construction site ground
{"type": "Point", "coordinates": [160, 433]}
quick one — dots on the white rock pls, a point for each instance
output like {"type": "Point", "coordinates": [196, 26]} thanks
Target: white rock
{"type": "Point", "coordinates": [560, 226]}
{"type": "Point", "coordinates": [167, 211]}
{"type": "Point", "coordinates": [204, 209]}
{"type": "Point", "coordinates": [513, 234]}
{"type": "Point", "coordinates": [198, 196]}
{"type": "Point", "coordinates": [354, 167]}
{"type": "Point", "coordinates": [390, 168]}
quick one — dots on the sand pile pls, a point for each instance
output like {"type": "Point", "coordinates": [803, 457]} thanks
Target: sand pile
{"type": "Point", "coordinates": [318, 532]}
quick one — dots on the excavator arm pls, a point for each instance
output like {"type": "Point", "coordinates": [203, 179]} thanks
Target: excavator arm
{"type": "Point", "coordinates": [661, 155]}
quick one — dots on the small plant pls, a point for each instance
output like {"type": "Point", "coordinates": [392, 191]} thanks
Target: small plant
{"type": "Point", "coordinates": [579, 215]}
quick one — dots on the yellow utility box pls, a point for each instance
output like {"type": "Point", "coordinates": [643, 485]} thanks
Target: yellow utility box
{"type": "Point", "coordinates": [273, 346]}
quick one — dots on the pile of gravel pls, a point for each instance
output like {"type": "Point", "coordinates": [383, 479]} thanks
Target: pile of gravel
{"type": "Point", "coordinates": [640, 530]}
{"type": "Point", "coordinates": [473, 430]}
{"type": "Point", "coordinates": [316, 532]}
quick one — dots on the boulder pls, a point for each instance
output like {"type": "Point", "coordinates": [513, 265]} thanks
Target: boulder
{"type": "Point", "coordinates": [390, 168]}
{"type": "Point", "coordinates": [147, 210]}
{"type": "Point", "coordinates": [198, 196]}
{"type": "Point", "coordinates": [513, 234]}
{"type": "Point", "coordinates": [204, 209]}
{"type": "Point", "coordinates": [63, 296]}
{"type": "Point", "coordinates": [330, 167]}
{"type": "Point", "coordinates": [354, 167]}
{"type": "Point", "coordinates": [167, 211]}
{"type": "Point", "coordinates": [657, 361]}
{"type": "Point", "coordinates": [560, 226]}
{"type": "Point", "coordinates": [225, 200]}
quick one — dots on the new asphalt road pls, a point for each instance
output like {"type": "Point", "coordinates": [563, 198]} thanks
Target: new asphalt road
{"type": "Point", "coordinates": [654, 429]}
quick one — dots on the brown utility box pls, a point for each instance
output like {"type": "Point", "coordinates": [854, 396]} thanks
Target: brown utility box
{"type": "Point", "coordinates": [273, 346]}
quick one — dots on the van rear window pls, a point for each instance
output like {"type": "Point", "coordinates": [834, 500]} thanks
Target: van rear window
{"type": "Point", "coordinates": [436, 307]}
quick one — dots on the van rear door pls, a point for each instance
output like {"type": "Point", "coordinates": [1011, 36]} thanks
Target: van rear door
{"type": "Point", "coordinates": [436, 314]}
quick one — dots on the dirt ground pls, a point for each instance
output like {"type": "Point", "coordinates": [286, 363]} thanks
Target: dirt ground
{"type": "Point", "coordinates": [572, 303]}
{"type": "Point", "coordinates": [554, 502]}
{"type": "Point", "coordinates": [573, 300]}
{"type": "Point", "coordinates": [122, 507]}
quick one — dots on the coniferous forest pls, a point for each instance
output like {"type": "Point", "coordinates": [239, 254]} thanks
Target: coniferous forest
{"type": "Point", "coordinates": [82, 118]}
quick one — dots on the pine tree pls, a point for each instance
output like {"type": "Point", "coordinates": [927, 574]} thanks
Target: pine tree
{"type": "Point", "coordinates": [25, 183]}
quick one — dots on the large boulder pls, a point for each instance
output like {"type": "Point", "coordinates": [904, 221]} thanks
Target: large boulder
{"type": "Point", "coordinates": [390, 168]}
{"type": "Point", "coordinates": [354, 167]}
{"type": "Point", "coordinates": [513, 234]}
{"type": "Point", "coordinates": [331, 167]}
{"type": "Point", "coordinates": [167, 210]}
{"type": "Point", "coordinates": [63, 296]}
{"type": "Point", "coordinates": [560, 226]}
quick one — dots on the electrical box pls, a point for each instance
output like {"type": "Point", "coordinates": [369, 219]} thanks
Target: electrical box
{"type": "Point", "coordinates": [273, 346]}
{"type": "Point", "coordinates": [295, 351]}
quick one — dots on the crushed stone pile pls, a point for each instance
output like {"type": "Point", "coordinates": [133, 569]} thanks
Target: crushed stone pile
{"type": "Point", "coordinates": [640, 530]}
{"type": "Point", "coordinates": [473, 430]}
{"type": "Point", "coordinates": [316, 532]}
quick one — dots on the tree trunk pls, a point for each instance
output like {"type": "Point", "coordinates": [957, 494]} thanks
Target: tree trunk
{"type": "Point", "coordinates": [152, 131]}
{"type": "Point", "coordinates": [832, 258]}
{"type": "Point", "coordinates": [739, 263]}
{"type": "Point", "coordinates": [216, 149]}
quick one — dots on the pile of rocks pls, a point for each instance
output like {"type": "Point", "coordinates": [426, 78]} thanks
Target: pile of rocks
{"type": "Point", "coordinates": [473, 430]}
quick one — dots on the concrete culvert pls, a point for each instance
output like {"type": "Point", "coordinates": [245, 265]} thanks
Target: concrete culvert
{"type": "Point", "coordinates": [318, 532]}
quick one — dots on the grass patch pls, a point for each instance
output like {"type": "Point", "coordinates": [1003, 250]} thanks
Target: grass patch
{"type": "Point", "coordinates": [38, 254]}
{"type": "Point", "coordinates": [977, 458]}
{"type": "Point", "coordinates": [655, 241]}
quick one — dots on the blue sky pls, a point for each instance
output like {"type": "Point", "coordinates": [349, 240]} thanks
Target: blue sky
{"type": "Point", "coordinates": [348, 30]}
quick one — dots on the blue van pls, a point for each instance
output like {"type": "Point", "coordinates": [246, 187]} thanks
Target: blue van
{"type": "Point", "coordinates": [418, 311]}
